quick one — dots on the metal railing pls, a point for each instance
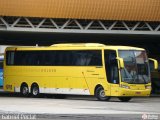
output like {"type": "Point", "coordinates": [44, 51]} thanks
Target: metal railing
{"type": "Point", "coordinates": [78, 26]}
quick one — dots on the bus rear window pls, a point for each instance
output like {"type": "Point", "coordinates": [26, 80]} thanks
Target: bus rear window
{"type": "Point", "coordinates": [9, 58]}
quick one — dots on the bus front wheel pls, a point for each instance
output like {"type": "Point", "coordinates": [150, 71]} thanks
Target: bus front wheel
{"type": "Point", "coordinates": [100, 94]}
{"type": "Point", "coordinates": [124, 99]}
{"type": "Point", "coordinates": [35, 90]}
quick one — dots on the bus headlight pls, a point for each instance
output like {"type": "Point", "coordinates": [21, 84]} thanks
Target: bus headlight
{"type": "Point", "coordinates": [148, 87]}
{"type": "Point", "coordinates": [125, 86]}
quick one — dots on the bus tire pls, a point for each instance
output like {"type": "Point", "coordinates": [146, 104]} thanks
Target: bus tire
{"type": "Point", "coordinates": [100, 94]}
{"type": "Point", "coordinates": [35, 90]}
{"type": "Point", "coordinates": [124, 99]}
{"type": "Point", "coordinates": [24, 90]}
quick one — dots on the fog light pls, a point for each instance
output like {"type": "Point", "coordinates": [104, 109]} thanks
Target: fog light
{"type": "Point", "coordinates": [125, 86]}
{"type": "Point", "coordinates": [148, 87]}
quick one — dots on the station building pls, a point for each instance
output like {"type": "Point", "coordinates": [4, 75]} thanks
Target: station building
{"type": "Point", "coordinates": [115, 22]}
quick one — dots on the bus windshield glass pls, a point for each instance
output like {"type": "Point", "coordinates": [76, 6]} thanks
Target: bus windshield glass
{"type": "Point", "coordinates": [136, 67]}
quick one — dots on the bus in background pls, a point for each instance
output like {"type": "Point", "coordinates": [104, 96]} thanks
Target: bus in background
{"type": "Point", "coordinates": [1, 70]}
{"type": "Point", "coordinates": [79, 69]}
{"type": "Point", "coordinates": [155, 76]}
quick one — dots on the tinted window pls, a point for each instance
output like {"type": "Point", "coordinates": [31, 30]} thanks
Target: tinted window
{"type": "Point", "coordinates": [10, 58]}
{"type": "Point", "coordinates": [55, 58]}
{"type": "Point", "coordinates": [111, 66]}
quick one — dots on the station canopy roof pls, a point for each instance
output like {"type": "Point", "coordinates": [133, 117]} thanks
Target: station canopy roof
{"type": "Point", "coordinates": [129, 10]}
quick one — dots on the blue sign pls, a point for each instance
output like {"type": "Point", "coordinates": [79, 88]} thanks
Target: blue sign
{"type": "Point", "coordinates": [1, 77]}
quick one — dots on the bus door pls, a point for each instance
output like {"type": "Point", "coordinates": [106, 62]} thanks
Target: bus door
{"type": "Point", "coordinates": [112, 72]}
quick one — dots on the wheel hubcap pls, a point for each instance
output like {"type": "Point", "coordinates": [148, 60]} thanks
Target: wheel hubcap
{"type": "Point", "coordinates": [25, 90]}
{"type": "Point", "coordinates": [102, 93]}
{"type": "Point", "coordinates": [35, 91]}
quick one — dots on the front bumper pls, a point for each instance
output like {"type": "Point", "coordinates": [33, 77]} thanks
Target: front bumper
{"type": "Point", "coordinates": [130, 92]}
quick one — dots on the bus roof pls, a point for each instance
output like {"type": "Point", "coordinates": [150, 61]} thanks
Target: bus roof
{"type": "Point", "coordinates": [68, 46]}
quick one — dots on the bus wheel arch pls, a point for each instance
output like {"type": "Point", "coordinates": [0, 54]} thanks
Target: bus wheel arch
{"type": "Point", "coordinates": [100, 94]}
{"type": "Point", "coordinates": [24, 90]}
{"type": "Point", "coordinates": [35, 89]}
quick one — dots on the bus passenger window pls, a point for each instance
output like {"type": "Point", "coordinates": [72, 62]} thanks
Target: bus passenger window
{"type": "Point", "coordinates": [10, 58]}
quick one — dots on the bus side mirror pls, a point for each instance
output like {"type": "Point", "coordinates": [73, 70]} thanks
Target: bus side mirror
{"type": "Point", "coordinates": [121, 62]}
{"type": "Point", "coordinates": [154, 62]}
{"type": "Point", "coordinates": [155, 65]}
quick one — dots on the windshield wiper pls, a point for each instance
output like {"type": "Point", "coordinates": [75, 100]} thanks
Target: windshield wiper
{"type": "Point", "coordinates": [144, 79]}
{"type": "Point", "coordinates": [134, 77]}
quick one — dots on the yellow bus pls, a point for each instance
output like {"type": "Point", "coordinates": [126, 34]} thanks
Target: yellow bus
{"type": "Point", "coordinates": [79, 69]}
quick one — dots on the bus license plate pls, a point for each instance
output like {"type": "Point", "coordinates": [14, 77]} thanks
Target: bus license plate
{"type": "Point", "coordinates": [138, 93]}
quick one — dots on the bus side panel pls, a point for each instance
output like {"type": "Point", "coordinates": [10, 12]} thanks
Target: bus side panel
{"type": "Point", "coordinates": [52, 79]}
{"type": "Point", "coordinates": [95, 76]}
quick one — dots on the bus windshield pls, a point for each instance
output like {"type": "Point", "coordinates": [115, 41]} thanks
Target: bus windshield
{"type": "Point", "coordinates": [136, 67]}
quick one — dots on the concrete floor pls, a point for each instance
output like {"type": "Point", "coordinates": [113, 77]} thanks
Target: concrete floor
{"type": "Point", "coordinates": [79, 107]}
